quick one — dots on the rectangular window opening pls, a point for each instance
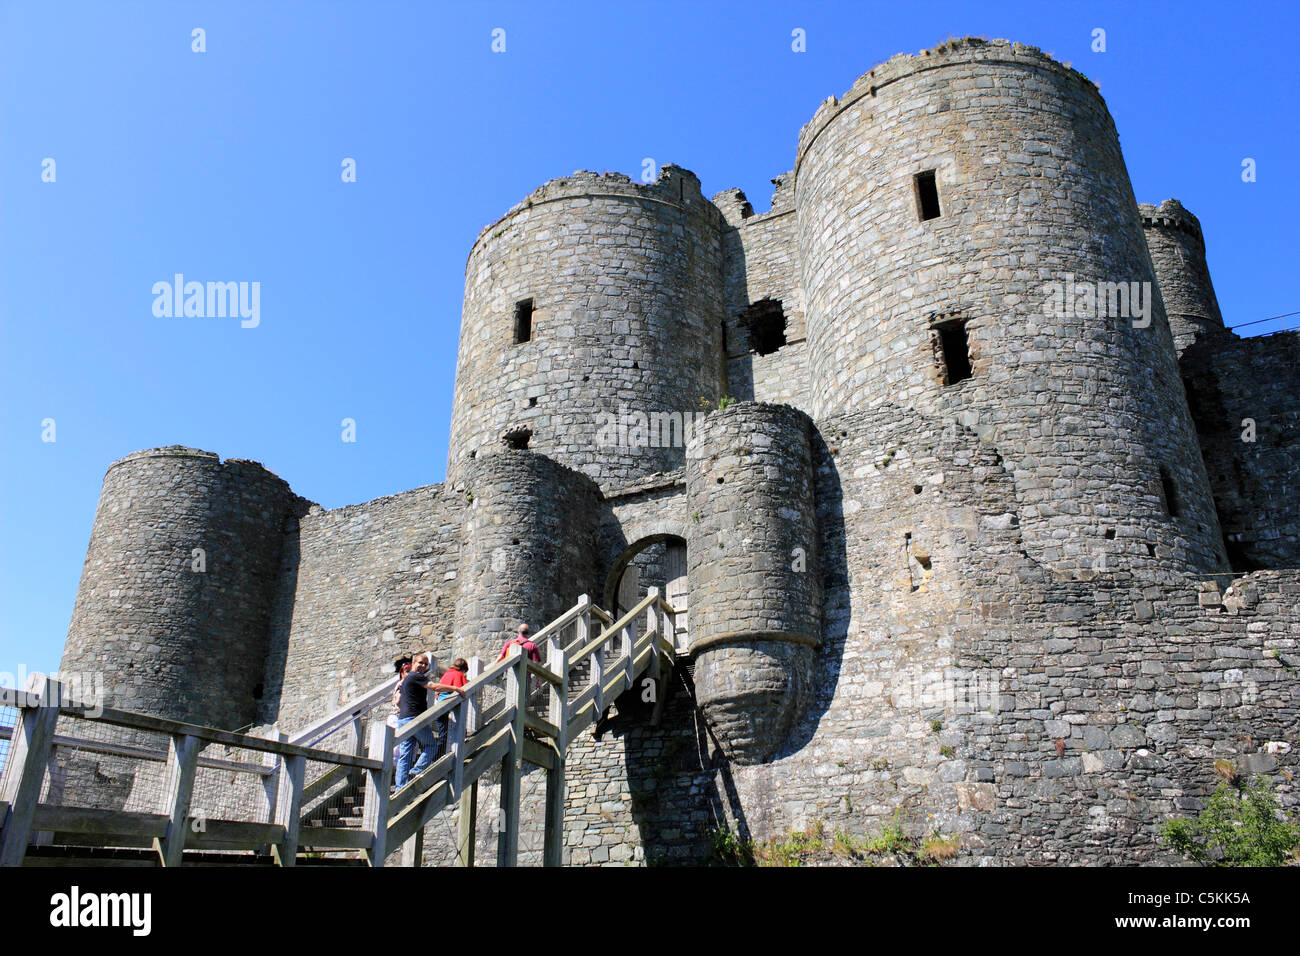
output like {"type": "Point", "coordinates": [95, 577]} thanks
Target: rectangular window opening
{"type": "Point", "coordinates": [927, 195]}
{"type": "Point", "coordinates": [954, 352]}
{"type": "Point", "coordinates": [1169, 491]}
{"type": "Point", "coordinates": [523, 321]}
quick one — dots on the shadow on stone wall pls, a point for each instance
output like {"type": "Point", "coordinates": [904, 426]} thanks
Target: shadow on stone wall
{"type": "Point", "coordinates": [836, 599]}
{"type": "Point", "coordinates": [281, 622]}
{"type": "Point", "coordinates": [679, 779]}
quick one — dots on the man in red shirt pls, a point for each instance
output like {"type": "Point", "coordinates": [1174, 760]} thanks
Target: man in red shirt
{"type": "Point", "coordinates": [523, 639]}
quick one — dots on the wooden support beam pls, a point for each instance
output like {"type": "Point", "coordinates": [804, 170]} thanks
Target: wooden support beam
{"type": "Point", "coordinates": [374, 819]}
{"type": "Point", "coordinates": [29, 753]}
{"type": "Point", "coordinates": [235, 835]}
{"type": "Point", "coordinates": [539, 754]}
{"type": "Point", "coordinates": [553, 838]}
{"type": "Point", "coordinates": [465, 836]}
{"type": "Point", "coordinates": [288, 808]}
{"type": "Point", "coordinates": [512, 765]}
{"type": "Point", "coordinates": [542, 726]}
{"type": "Point", "coordinates": [182, 761]}
{"type": "Point", "coordinates": [413, 849]}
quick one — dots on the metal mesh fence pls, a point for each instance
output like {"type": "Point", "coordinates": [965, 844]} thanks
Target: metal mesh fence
{"type": "Point", "coordinates": [100, 766]}
{"type": "Point", "coordinates": [334, 795]}
{"type": "Point", "coordinates": [8, 719]}
{"type": "Point", "coordinates": [233, 783]}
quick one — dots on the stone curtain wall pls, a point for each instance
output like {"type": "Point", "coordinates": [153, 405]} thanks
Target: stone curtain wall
{"type": "Point", "coordinates": [358, 587]}
{"type": "Point", "coordinates": [626, 283]}
{"type": "Point", "coordinates": [760, 261]}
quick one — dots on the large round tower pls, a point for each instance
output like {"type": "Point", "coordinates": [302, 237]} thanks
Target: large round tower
{"type": "Point", "coordinates": [176, 591]}
{"type": "Point", "coordinates": [594, 298]}
{"type": "Point", "coordinates": [960, 213]}
{"type": "Point", "coordinates": [1178, 253]}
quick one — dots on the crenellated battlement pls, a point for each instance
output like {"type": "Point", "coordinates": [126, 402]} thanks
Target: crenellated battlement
{"type": "Point", "coordinates": [965, 51]}
{"type": "Point", "coordinates": [1170, 214]}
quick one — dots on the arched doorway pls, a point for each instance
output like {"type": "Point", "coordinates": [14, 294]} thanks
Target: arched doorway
{"type": "Point", "coordinates": [656, 561]}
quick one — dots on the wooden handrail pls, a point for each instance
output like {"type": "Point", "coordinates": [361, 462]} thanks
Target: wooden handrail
{"type": "Point", "coordinates": [87, 745]}
{"type": "Point", "coordinates": [545, 673]}
{"type": "Point", "coordinates": [611, 631]}
{"type": "Point", "coordinates": [161, 725]}
{"type": "Point", "coordinates": [348, 712]}
{"type": "Point", "coordinates": [563, 621]}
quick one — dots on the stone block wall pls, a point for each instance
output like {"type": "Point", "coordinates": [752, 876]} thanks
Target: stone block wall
{"type": "Point", "coordinates": [1243, 396]}
{"type": "Point", "coordinates": [761, 262]}
{"type": "Point", "coordinates": [963, 687]}
{"type": "Point", "coordinates": [358, 587]}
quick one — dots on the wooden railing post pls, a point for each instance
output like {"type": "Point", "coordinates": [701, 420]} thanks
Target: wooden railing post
{"type": "Point", "coordinates": [182, 760]}
{"type": "Point", "coordinates": [512, 763]}
{"type": "Point", "coordinates": [473, 710]}
{"type": "Point", "coordinates": [29, 752]}
{"type": "Point", "coordinates": [668, 630]}
{"type": "Point", "coordinates": [625, 636]}
{"type": "Point", "coordinates": [375, 813]}
{"type": "Point", "coordinates": [553, 840]}
{"type": "Point", "coordinates": [468, 826]}
{"type": "Point", "coordinates": [271, 782]}
{"type": "Point", "coordinates": [598, 678]}
{"type": "Point", "coordinates": [288, 806]}
{"type": "Point", "coordinates": [456, 721]}
{"type": "Point", "coordinates": [357, 743]}
{"type": "Point", "coordinates": [652, 628]}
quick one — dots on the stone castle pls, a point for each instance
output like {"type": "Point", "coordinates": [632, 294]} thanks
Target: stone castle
{"type": "Point", "coordinates": [990, 522]}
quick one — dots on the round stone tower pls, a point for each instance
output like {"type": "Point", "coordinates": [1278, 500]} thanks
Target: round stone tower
{"type": "Point", "coordinates": [1178, 253]}
{"type": "Point", "coordinates": [754, 584]}
{"type": "Point", "coordinates": [594, 298]}
{"type": "Point", "coordinates": [176, 591]}
{"type": "Point", "coordinates": [527, 548]}
{"type": "Point", "coordinates": [970, 247]}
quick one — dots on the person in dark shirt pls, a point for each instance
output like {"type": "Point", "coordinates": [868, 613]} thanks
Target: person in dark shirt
{"type": "Point", "coordinates": [414, 702]}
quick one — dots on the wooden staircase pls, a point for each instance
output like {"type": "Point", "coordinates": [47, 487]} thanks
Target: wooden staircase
{"type": "Point", "coordinates": [344, 810]}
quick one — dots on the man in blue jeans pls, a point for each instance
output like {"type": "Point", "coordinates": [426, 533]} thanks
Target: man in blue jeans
{"type": "Point", "coordinates": [414, 702]}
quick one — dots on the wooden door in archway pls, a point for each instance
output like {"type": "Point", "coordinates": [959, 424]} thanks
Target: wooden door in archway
{"type": "Point", "coordinates": [675, 589]}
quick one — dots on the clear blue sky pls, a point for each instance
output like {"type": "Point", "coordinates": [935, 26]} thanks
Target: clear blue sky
{"type": "Point", "coordinates": [225, 165]}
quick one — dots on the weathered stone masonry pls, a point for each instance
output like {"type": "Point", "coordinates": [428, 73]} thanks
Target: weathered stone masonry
{"type": "Point", "coordinates": [1014, 570]}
